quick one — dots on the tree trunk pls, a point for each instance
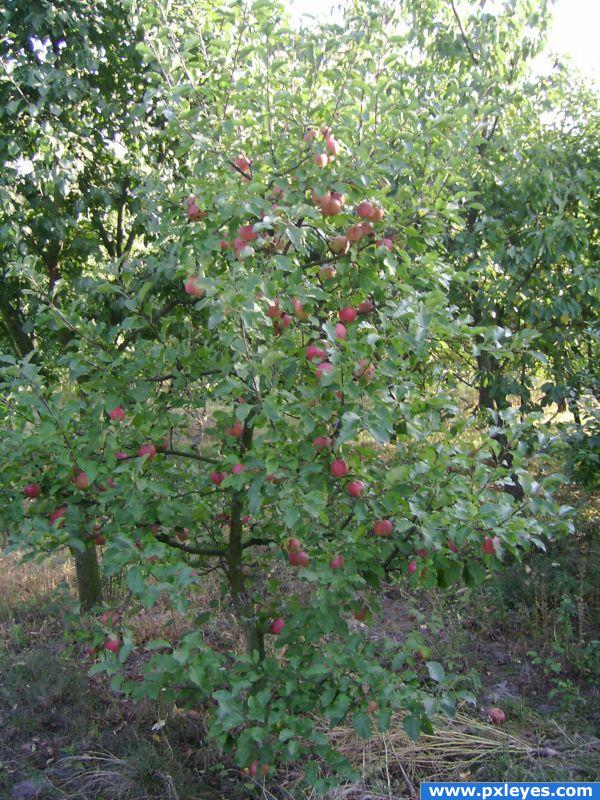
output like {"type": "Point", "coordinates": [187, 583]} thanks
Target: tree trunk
{"type": "Point", "coordinates": [89, 585]}
{"type": "Point", "coordinates": [12, 323]}
{"type": "Point", "coordinates": [242, 603]}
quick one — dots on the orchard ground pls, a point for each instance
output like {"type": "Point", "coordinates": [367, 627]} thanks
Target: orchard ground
{"type": "Point", "coordinates": [526, 641]}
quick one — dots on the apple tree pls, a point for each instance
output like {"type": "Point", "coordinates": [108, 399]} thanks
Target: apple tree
{"type": "Point", "coordinates": [280, 413]}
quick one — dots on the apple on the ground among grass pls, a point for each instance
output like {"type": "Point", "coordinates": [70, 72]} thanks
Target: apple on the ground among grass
{"type": "Point", "coordinates": [496, 716]}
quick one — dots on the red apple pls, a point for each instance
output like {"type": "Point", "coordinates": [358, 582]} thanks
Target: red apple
{"type": "Point", "coordinates": [302, 559]}
{"type": "Point", "coordinates": [314, 352]}
{"type": "Point", "coordinates": [340, 331]}
{"type": "Point", "coordinates": [339, 245]}
{"type": "Point", "coordinates": [354, 233]}
{"type": "Point", "coordinates": [273, 311]}
{"type": "Point", "coordinates": [321, 442]}
{"type": "Point", "coordinates": [298, 309]}
{"type": "Point", "coordinates": [99, 539]}
{"type": "Point", "coordinates": [337, 562]}
{"type": "Point", "coordinates": [496, 716]}
{"type": "Point", "coordinates": [191, 287]}
{"type": "Point", "coordinates": [246, 233]}
{"type": "Point", "coordinates": [224, 244]}
{"type": "Point", "coordinates": [383, 527]}
{"type": "Point", "coordinates": [286, 321]}
{"type": "Point", "coordinates": [120, 456]}
{"type": "Point", "coordinates": [327, 272]}
{"type": "Point", "coordinates": [32, 490]}
{"type": "Point", "coordinates": [236, 430]}
{"type": "Point", "coordinates": [490, 544]}
{"type": "Point", "coordinates": [367, 228]}
{"type": "Point", "coordinates": [365, 370]}
{"type": "Point", "coordinates": [324, 368]}
{"type": "Point", "coordinates": [332, 146]}
{"type": "Point", "coordinates": [112, 643]}
{"type": "Point", "coordinates": [109, 617]}
{"type": "Point", "coordinates": [372, 707]}
{"type": "Point", "coordinates": [148, 450]}
{"type": "Point", "coordinates": [57, 514]}
{"type": "Point", "coordinates": [366, 307]}
{"type": "Point", "coordinates": [277, 626]}
{"type": "Point", "coordinates": [330, 206]}
{"type": "Point", "coordinates": [310, 135]}
{"type": "Point", "coordinates": [321, 160]}
{"type": "Point", "coordinates": [316, 197]}
{"type": "Point", "coordinates": [423, 552]}
{"type": "Point", "coordinates": [294, 545]}
{"type": "Point", "coordinates": [242, 163]}
{"type": "Point", "coordinates": [387, 243]}
{"type": "Point", "coordinates": [182, 534]}
{"type": "Point", "coordinates": [237, 469]}
{"type": "Point", "coordinates": [378, 214]}
{"type": "Point", "coordinates": [194, 213]}
{"type": "Point", "coordinates": [338, 468]}
{"type": "Point", "coordinates": [356, 488]}
{"type": "Point", "coordinates": [117, 414]}
{"type": "Point", "coordinates": [412, 567]}
{"type": "Point", "coordinates": [347, 314]}
{"type": "Point", "coordinates": [325, 131]}
{"type": "Point", "coordinates": [364, 209]}
{"type": "Point", "coordinates": [82, 480]}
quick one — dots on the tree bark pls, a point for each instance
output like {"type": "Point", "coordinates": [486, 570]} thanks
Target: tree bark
{"type": "Point", "coordinates": [242, 603]}
{"type": "Point", "coordinates": [12, 323]}
{"type": "Point", "coordinates": [89, 585]}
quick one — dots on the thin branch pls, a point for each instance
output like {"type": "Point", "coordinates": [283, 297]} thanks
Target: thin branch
{"type": "Point", "coordinates": [474, 58]}
{"type": "Point", "coordinates": [188, 548]}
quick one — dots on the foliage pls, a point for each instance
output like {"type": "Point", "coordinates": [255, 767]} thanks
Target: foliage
{"type": "Point", "coordinates": [241, 429]}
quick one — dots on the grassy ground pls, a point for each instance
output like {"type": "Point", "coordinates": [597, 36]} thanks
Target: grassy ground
{"type": "Point", "coordinates": [527, 640]}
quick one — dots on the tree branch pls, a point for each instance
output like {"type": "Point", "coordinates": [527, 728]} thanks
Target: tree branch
{"type": "Point", "coordinates": [474, 58]}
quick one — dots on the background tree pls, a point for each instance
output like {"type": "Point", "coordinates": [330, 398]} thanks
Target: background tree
{"type": "Point", "coordinates": [289, 300]}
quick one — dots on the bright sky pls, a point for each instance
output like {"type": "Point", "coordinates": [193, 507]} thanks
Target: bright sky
{"type": "Point", "coordinates": [575, 30]}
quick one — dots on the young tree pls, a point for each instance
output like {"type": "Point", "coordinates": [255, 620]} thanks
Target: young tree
{"type": "Point", "coordinates": [292, 297]}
